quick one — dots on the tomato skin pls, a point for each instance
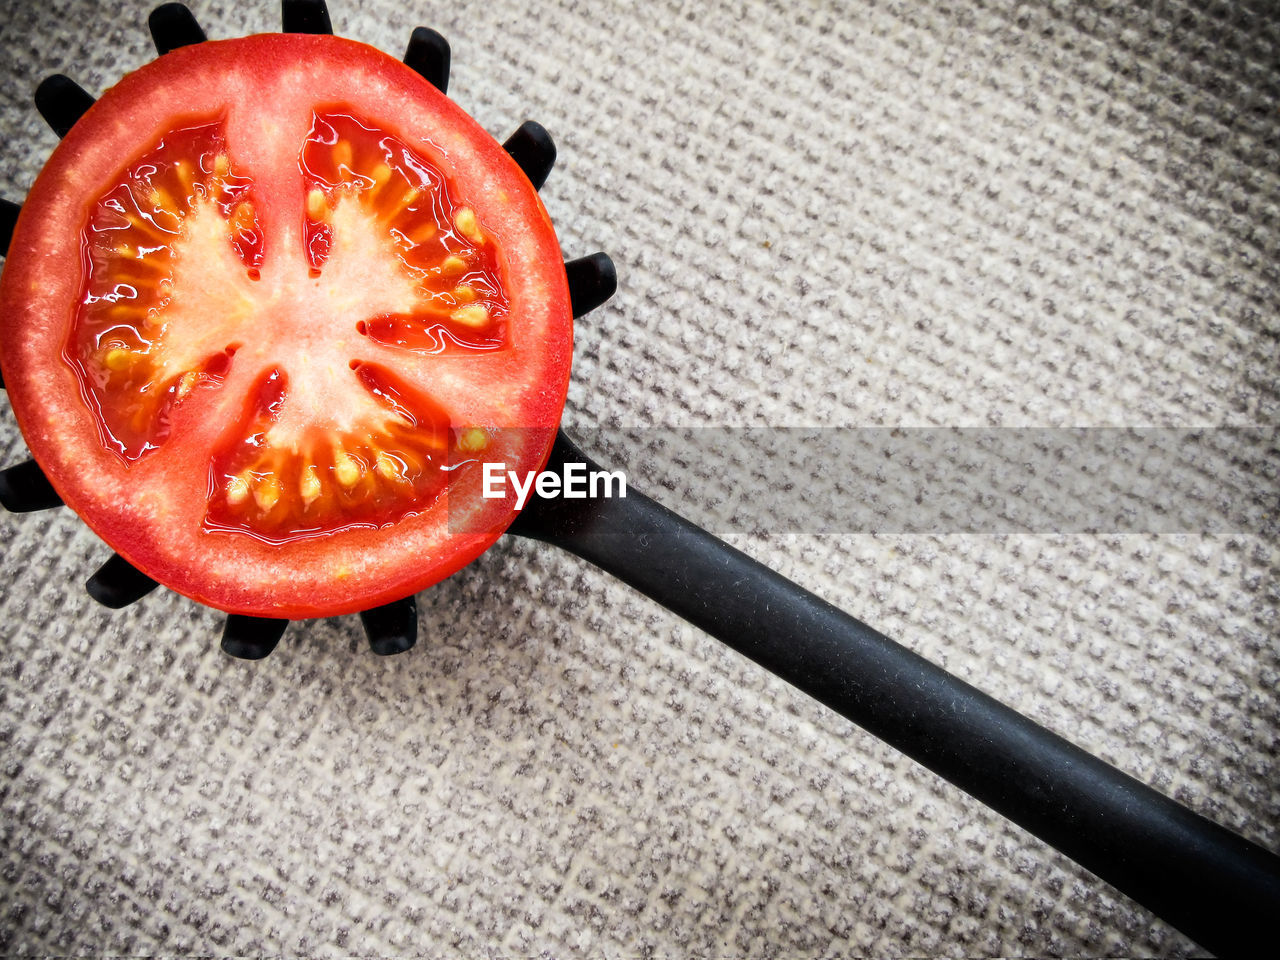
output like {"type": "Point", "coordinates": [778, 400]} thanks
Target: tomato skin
{"type": "Point", "coordinates": [151, 512]}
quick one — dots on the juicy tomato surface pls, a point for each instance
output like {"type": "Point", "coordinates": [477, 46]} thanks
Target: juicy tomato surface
{"type": "Point", "coordinates": [267, 308]}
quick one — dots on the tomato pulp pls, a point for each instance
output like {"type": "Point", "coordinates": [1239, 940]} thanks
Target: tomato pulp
{"type": "Point", "coordinates": [267, 308]}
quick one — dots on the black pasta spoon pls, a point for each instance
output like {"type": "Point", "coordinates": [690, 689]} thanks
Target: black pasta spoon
{"type": "Point", "coordinates": [1214, 885]}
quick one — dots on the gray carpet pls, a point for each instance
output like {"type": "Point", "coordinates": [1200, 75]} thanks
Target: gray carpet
{"type": "Point", "coordinates": [870, 214]}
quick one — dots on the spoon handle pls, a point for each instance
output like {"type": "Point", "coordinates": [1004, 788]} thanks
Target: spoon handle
{"type": "Point", "coordinates": [1217, 887]}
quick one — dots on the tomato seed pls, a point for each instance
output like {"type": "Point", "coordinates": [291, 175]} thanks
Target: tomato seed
{"type": "Point", "coordinates": [237, 490]}
{"type": "Point", "coordinates": [342, 155]}
{"type": "Point", "coordinates": [472, 315]}
{"type": "Point", "coordinates": [465, 221]}
{"type": "Point", "coordinates": [317, 205]}
{"type": "Point", "coordinates": [266, 493]}
{"type": "Point", "coordinates": [346, 468]}
{"type": "Point", "coordinates": [473, 440]}
{"type": "Point", "coordinates": [309, 485]}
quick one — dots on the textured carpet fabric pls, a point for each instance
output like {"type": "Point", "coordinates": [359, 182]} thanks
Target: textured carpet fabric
{"type": "Point", "coordinates": [881, 213]}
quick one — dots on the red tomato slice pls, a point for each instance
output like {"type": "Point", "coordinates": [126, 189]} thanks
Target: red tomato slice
{"type": "Point", "coordinates": [267, 308]}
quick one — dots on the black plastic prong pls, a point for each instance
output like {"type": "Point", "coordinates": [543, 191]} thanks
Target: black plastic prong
{"type": "Point", "coordinates": [428, 55]}
{"type": "Point", "coordinates": [251, 638]}
{"type": "Point", "coordinates": [532, 148]}
{"type": "Point", "coordinates": [24, 488]}
{"type": "Point", "coordinates": [61, 101]}
{"type": "Point", "coordinates": [8, 220]}
{"type": "Point", "coordinates": [305, 16]}
{"type": "Point", "coordinates": [172, 26]}
{"type": "Point", "coordinates": [592, 281]}
{"type": "Point", "coordinates": [119, 583]}
{"type": "Point", "coordinates": [393, 627]}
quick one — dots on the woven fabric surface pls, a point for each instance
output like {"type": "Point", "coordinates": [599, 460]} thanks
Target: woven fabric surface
{"type": "Point", "coordinates": [878, 213]}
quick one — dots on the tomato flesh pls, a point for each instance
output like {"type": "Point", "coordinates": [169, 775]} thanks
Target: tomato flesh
{"type": "Point", "coordinates": [323, 481]}
{"type": "Point", "coordinates": [175, 270]}
{"type": "Point", "coordinates": [437, 237]}
{"type": "Point", "coordinates": [310, 295]}
{"type": "Point", "coordinates": [131, 364]}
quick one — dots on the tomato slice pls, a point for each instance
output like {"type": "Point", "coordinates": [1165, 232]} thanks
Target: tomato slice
{"type": "Point", "coordinates": [267, 308]}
